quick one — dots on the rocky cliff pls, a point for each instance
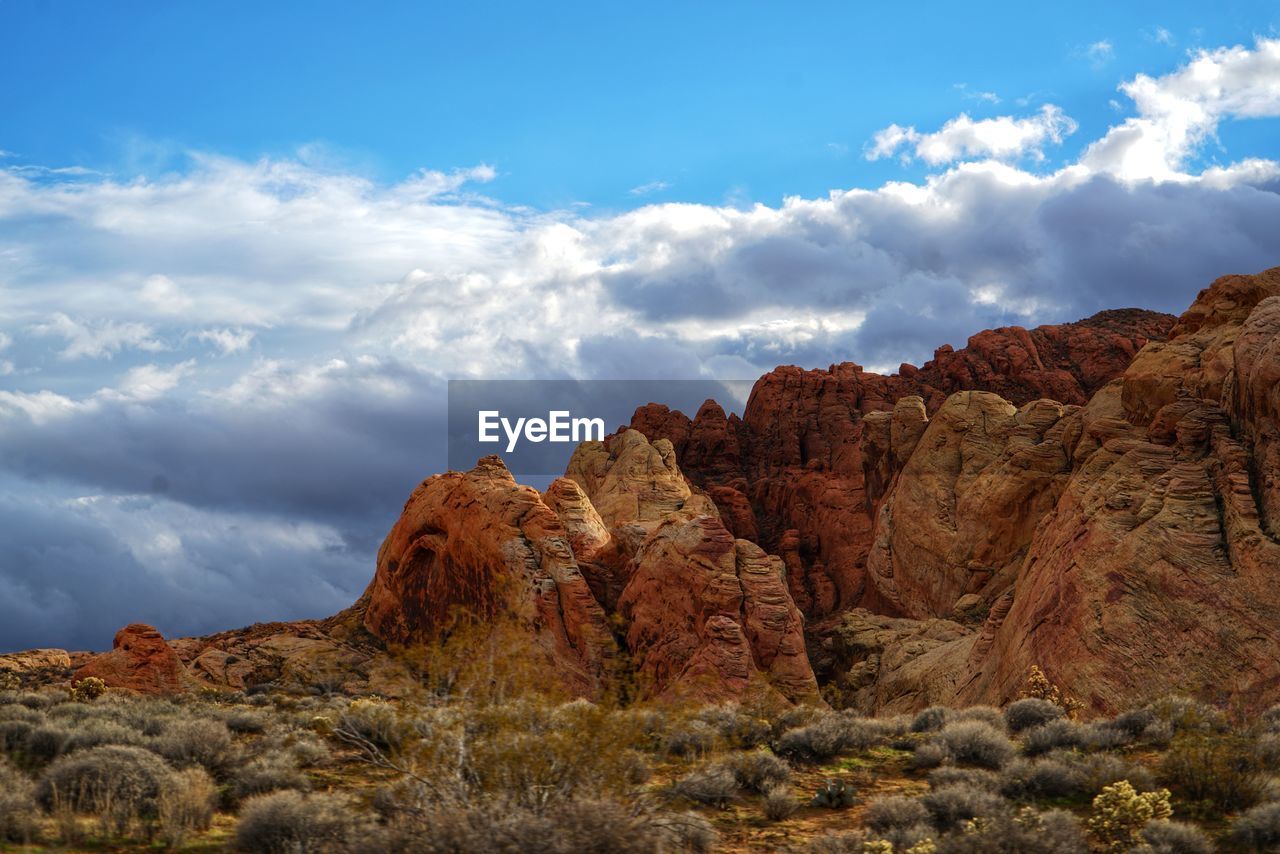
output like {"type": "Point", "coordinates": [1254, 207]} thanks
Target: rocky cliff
{"type": "Point", "coordinates": [1098, 499]}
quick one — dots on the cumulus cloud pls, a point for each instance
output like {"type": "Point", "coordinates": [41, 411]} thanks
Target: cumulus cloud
{"type": "Point", "coordinates": [1099, 53]}
{"type": "Point", "coordinates": [963, 138]}
{"type": "Point", "coordinates": [230, 377]}
{"type": "Point", "coordinates": [1179, 111]}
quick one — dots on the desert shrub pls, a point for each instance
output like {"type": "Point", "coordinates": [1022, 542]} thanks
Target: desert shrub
{"type": "Point", "coordinates": [1220, 772]}
{"type": "Point", "coordinates": [116, 782]}
{"type": "Point", "coordinates": [589, 825]}
{"type": "Point", "coordinates": [1120, 813]}
{"type": "Point", "coordinates": [186, 804]}
{"type": "Point", "coordinates": [756, 770]}
{"type": "Point", "coordinates": [690, 738]}
{"type": "Point", "coordinates": [1054, 735]}
{"type": "Point", "coordinates": [197, 741]}
{"type": "Point", "coordinates": [1269, 721]}
{"type": "Point", "coordinates": [1021, 832]}
{"type": "Point", "coordinates": [1030, 712]}
{"type": "Point", "coordinates": [95, 732]}
{"type": "Point", "coordinates": [34, 700]}
{"type": "Point", "coordinates": [287, 822]}
{"type": "Point", "coordinates": [835, 794]}
{"type": "Point", "coordinates": [713, 785]}
{"type": "Point", "coordinates": [1039, 687]}
{"type": "Point", "coordinates": [1268, 749]}
{"type": "Point", "coordinates": [827, 737]}
{"type": "Point", "coordinates": [948, 776]}
{"type": "Point", "coordinates": [1029, 780]}
{"type": "Point", "coordinates": [1133, 722]}
{"type": "Point", "coordinates": [1187, 715]}
{"type": "Point", "coordinates": [1258, 829]}
{"type": "Point", "coordinates": [895, 811]}
{"type": "Point", "coordinates": [270, 772]}
{"type": "Point", "coordinates": [17, 805]}
{"type": "Point", "coordinates": [245, 721]}
{"type": "Point", "coordinates": [10, 681]}
{"type": "Point", "coordinates": [985, 714]}
{"type": "Point", "coordinates": [737, 727]}
{"type": "Point", "coordinates": [930, 755]}
{"type": "Point", "coordinates": [1174, 837]}
{"type": "Point", "coordinates": [976, 743]}
{"type": "Point", "coordinates": [1095, 772]}
{"type": "Point", "coordinates": [951, 806]}
{"type": "Point", "coordinates": [45, 743]}
{"type": "Point", "coordinates": [931, 719]}
{"type": "Point", "coordinates": [779, 803]}
{"type": "Point", "coordinates": [13, 734]}
{"type": "Point", "coordinates": [374, 722]}
{"type": "Point", "coordinates": [87, 690]}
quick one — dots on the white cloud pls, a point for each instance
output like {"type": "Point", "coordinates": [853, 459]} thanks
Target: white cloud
{"type": "Point", "coordinates": [1160, 35]}
{"type": "Point", "coordinates": [649, 188]}
{"type": "Point", "coordinates": [227, 341]}
{"type": "Point", "coordinates": [97, 340]}
{"type": "Point", "coordinates": [1180, 110]}
{"type": "Point", "coordinates": [977, 95]}
{"type": "Point", "coordinates": [1099, 53]}
{"type": "Point", "coordinates": [1003, 138]}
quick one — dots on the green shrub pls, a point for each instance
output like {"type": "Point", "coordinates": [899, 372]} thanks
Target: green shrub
{"type": "Point", "coordinates": [289, 822]}
{"type": "Point", "coordinates": [88, 689]}
{"type": "Point", "coordinates": [835, 794]}
{"type": "Point", "coordinates": [1120, 814]}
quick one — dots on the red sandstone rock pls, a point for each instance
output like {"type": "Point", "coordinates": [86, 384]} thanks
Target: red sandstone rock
{"type": "Point", "coordinates": [709, 616]}
{"type": "Point", "coordinates": [483, 543]}
{"type": "Point", "coordinates": [140, 660]}
{"type": "Point", "coordinates": [806, 461]}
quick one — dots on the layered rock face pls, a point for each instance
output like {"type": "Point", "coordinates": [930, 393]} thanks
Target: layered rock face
{"type": "Point", "coordinates": [808, 456]}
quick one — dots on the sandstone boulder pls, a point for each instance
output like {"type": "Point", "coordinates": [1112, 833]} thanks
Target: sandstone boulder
{"type": "Point", "coordinates": [140, 660]}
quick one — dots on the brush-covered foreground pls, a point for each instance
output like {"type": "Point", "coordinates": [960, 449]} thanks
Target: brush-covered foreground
{"type": "Point", "coordinates": [274, 772]}
{"type": "Point", "coordinates": [517, 771]}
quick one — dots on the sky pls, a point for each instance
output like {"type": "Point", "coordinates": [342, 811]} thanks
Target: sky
{"type": "Point", "coordinates": [243, 247]}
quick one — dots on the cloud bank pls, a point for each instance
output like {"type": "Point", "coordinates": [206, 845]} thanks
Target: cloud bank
{"type": "Point", "coordinates": [219, 386]}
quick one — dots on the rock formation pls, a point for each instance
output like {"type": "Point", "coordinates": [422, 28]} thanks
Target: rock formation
{"type": "Point", "coordinates": [481, 543]}
{"type": "Point", "coordinates": [807, 455]}
{"type": "Point", "coordinates": [140, 660]}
